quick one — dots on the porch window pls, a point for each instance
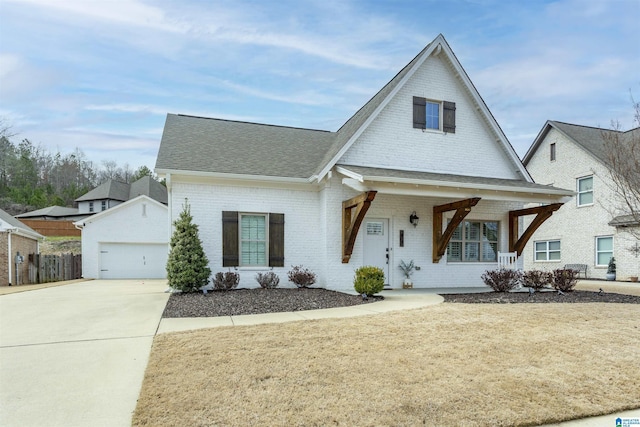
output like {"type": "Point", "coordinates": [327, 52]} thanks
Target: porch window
{"type": "Point", "coordinates": [474, 241]}
{"type": "Point", "coordinates": [548, 250]}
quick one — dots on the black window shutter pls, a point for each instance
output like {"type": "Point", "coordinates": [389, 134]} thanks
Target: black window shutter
{"type": "Point", "coordinates": [419, 112]}
{"type": "Point", "coordinates": [230, 244]}
{"type": "Point", "coordinates": [449, 117]}
{"type": "Point", "coordinates": [276, 240]}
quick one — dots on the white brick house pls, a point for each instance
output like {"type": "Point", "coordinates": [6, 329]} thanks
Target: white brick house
{"type": "Point", "coordinates": [582, 231]}
{"type": "Point", "coordinates": [269, 197]}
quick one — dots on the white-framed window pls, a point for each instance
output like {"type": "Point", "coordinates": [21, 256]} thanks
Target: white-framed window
{"type": "Point", "coordinates": [585, 190]}
{"type": "Point", "coordinates": [90, 206]}
{"type": "Point", "coordinates": [104, 205]}
{"type": "Point", "coordinates": [253, 239]}
{"type": "Point", "coordinates": [474, 241]}
{"type": "Point", "coordinates": [432, 115]}
{"type": "Point", "coordinates": [604, 250]}
{"type": "Point", "coordinates": [547, 250]}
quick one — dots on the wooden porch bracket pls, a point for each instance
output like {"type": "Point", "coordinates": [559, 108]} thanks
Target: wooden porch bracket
{"type": "Point", "coordinates": [440, 239]}
{"type": "Point", "coordinates": [351, 221]}
{"type": "Point", "coordinates": [542, 213]}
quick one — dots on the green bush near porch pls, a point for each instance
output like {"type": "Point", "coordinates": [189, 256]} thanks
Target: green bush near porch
{"type": "Point", "coordinates": [369, 280]}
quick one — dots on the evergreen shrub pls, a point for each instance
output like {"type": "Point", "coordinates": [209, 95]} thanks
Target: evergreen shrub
{"type": "Point", "coordinates": [369, 280]}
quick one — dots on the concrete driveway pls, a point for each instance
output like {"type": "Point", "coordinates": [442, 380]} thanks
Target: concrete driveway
{"type": "Point", "coordinates": [75, 355]}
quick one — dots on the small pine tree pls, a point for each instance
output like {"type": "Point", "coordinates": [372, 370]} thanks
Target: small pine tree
{"type": "Point", "coordinates": [187, 266]}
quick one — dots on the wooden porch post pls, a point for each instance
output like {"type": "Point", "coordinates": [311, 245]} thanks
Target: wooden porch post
{"type": "Point", "coordinates": [351, 221]}
{"type": "Point", "coordinates": [440, 239]}
{"type": "Point", "coordinates": [542, 213]}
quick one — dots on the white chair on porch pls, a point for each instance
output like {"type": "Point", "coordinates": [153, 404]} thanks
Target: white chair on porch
{"type": "Point", "coordinates": [508, 260]}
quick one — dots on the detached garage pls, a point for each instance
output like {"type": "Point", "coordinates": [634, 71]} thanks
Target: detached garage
{"type": "Point", "coordinates": [129, 241]}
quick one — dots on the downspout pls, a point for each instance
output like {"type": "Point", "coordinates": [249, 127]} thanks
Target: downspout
{"type": "Point", "coordinates": [167, 181]}
{"type": "Point", "coordinates": [9, 231]}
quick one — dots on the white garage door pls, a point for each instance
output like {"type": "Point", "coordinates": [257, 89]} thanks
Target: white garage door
{"type": "Point", "coordinates": [133, 261]}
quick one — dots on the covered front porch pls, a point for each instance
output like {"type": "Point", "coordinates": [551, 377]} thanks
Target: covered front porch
{"type": "Point", "coordinates": [452, 227]}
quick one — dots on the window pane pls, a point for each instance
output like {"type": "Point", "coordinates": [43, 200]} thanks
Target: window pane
{"type": "Point", "coordinates": [554, 245]}
{"type": "Point", "coordinates": [454, 251]}
{"type": "Point", "coordinates": [585, 184]}
{"type": "Point", "coordinates": [554, 256]}
{"type": "Point", "coordinates": [472, 251]}
{"type": "Point", "coordinates": [541, 246]}
{"type": "Point", "coordinates": [489, 251]}
{"type": "Point", "coordinates": [541, 256]}
{"type": "Point", "coordinates": [490, 231]}
{"type": "Point", "coordinates": [472, 230]}
{"type": "Point", "coordinates": [457, 234]}
{"type": "Point", "coordinates": [433, 115]}
{"type": "Point", "coordinates": [603, 258]}
{"type": "Point", "coordinates": [585, 198]}
{"type": "Point", "coordinates": [605, 244]}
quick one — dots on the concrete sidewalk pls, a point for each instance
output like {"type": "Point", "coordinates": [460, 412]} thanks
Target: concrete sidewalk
{"type": "Point", "coordinates": [393, 300]}
{"type": "Point", "coordinates": [75, 355]}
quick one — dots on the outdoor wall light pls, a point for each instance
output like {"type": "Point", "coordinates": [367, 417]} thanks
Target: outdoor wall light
{"type": "Point", "coordinates": [413, 219]}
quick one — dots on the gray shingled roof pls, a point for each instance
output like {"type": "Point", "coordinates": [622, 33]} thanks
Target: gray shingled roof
{"type": "Point", "coordinates": [448, 178]}
{"type": "Point", "coordinates": [226, 146]}
{"type": "Point", "coordinates": [591, 139]}
{"type": "Point", "coordinates": [116, 190]}
{"type": "Point", "coordinates": [149, 187]}
{"type": "Point", "coordinates": [15, 223]}
{"type": "Point", "coordinates": [51, 211]}
{"type": "Point", "coordinates": [111, 189]}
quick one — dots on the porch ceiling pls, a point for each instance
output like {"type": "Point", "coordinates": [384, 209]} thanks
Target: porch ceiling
{"type": "Point", "coordinates": [427, 184]}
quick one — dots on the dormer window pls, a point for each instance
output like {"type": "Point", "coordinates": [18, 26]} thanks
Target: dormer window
{"type": "Point", "coordinates": [434, 115]}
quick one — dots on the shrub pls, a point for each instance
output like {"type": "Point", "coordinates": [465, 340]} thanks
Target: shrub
{"type": "Point", "coordinates": [611, 268]}
{"type": "Point", "coordinates": [564, 279]}
{"type": "Point", "coordinates": [187, 264]}
{"type": "Point", "coordinates": [226, 281]}
{"type": "Point", "coordinates": [302, 277]}
{"type": "Point", "coordinates": [536, 279]}
{"type": "Point", "coordinates": [369, 280]}
{"type": "Point", "coordinates": [502, 280]}
{"type": "Point", "coordinates": [269, 280]}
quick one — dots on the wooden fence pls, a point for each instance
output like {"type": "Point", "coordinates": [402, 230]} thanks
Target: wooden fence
{"type": "Point", "coordinates": [52, 228]}
{"type": "Point", "coordinates": [54, 268]}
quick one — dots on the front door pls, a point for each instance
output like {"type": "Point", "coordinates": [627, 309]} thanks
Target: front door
{"type": "Point", "coordinates": [376, 245]}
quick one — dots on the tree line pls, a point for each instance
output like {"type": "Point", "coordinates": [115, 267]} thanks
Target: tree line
{"type": "Point", "coordinates": [32, 177]}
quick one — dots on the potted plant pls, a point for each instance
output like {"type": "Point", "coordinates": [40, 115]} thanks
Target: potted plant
{"type": "Point", "coordinates": [407, 269]}
{"type": "Point", "coordinates": [611, 269]}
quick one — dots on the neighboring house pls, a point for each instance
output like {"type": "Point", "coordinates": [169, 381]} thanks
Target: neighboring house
{"type": "Point", "coordinates": [53, 221]}
{"type": "Point", "coordinates": [129, 241]}
{"type": "Point", "coordinates": [16, 239]}
{"type": "Point", "coordinates": [583, 231]}
{"type": "Point", "coordinates": [111, 193]}
{"type": "Point", "coordinates": [425, 148]}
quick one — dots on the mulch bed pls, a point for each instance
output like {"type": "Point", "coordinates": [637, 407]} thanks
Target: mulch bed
{"type": "Point", "coordinates": [258, 301]}
{"type": "Point", "coordinates": [541, 297]}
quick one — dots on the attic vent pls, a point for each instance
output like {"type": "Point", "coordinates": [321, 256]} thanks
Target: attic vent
{"type": "Point", "coordinates": [144, 210]}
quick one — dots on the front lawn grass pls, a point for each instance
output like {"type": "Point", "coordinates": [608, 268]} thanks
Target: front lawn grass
{"type": "Point", "coordinates": [445, 365]}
